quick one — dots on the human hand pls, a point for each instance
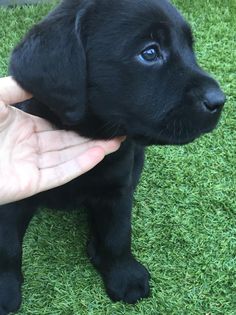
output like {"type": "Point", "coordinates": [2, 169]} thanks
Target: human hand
{"type": "Point", "coordinates": [35, 157]}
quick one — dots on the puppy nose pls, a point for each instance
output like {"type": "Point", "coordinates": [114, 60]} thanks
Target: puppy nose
{"type": "Point", "coordinates": [214, 100]}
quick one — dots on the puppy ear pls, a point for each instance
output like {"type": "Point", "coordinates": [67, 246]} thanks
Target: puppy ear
{"type": "Point", "coordinates": [50, 62]}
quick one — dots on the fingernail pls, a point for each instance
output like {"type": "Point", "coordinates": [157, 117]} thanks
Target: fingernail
{"type": "Point", "coordinates": [122, 139]}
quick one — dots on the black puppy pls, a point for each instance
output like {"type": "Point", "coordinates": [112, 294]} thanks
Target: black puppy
{"type": "Point", "coordinates": [107, 68]}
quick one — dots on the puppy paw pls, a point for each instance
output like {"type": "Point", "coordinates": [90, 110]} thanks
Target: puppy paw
{"type": "Point", "coordinates": [10, 293]}
{"type": "Point", "coordinates": [127, 282]}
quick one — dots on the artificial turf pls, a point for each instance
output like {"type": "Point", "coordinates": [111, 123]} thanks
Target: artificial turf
{"type": "Point", "coordinates": [184, 217]}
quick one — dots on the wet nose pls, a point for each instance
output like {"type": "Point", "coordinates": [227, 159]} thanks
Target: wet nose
{"type": "Point", "coordinates": [214, 100]}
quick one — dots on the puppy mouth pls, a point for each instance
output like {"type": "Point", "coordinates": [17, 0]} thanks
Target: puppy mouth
{"type": "Point", "coordinates": [172, 130]}
{"type": "Point", "coordinates": [148, 141]}
{"type": "Point", "coordinates": [171, 139]}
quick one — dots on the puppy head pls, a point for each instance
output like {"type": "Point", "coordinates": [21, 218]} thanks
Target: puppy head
{"type": "Point", "coordinates": [120, 67]}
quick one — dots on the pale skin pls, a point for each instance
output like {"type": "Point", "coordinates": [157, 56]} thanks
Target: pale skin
{"type": "Point", "coordinates": [34, 156]}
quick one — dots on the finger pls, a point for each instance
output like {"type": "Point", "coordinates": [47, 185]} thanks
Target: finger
{"type": "Point", "coordinates": [55, 140]}
{"type": "Point", "coordinates": [63, 173]}
{"type": "Point", "coordinates": [60, 139]}
{"type": "Point", "coordinates": [54, 158]}
{"type": "Point", "coordinates": [11, 92]}
{"type": "Point", "coordinates": [109, 146]}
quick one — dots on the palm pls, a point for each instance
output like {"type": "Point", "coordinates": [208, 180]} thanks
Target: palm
{"type": "Point", "coordinates": [20, 155]}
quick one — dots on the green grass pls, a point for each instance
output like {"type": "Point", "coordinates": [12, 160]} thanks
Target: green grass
{"type": "Point", "coordinates": [184, 218]}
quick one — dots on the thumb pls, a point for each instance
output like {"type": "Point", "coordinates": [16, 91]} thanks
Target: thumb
{"type": "Point", "coordinates": [11, 92]}
{"type": "Point", "coordinates": [4, 112]}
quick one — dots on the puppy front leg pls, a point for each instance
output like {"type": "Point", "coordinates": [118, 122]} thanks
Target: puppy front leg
{"type": "Point", "coordinates": [110, 249]}
{"type": "Point", "coordinates": [14, 219]}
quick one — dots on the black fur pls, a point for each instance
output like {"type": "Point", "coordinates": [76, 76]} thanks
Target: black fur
{"type": "Point", "coordinates": [84, 65]}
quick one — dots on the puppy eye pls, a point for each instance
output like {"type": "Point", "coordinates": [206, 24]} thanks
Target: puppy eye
{"type": "Point", "coordinates": [150, 54]}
